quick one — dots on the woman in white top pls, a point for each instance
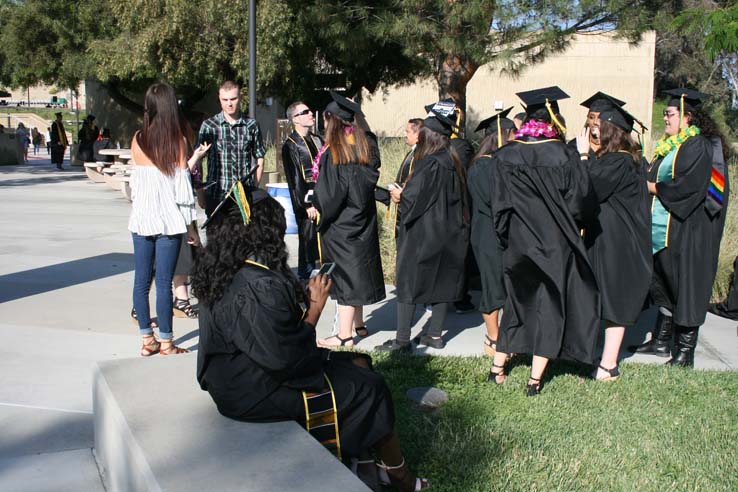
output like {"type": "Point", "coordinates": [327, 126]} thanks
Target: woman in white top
{"type": "Point", "coordinates": [163, 211]}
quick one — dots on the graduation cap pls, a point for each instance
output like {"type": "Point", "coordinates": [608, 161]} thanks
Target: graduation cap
{"type": "Point", "coordinates": [447, 107]}
{"type": "Point", "coordinates": [439, 123]}
{"type": "Point", "coordinates": [496, 122]}
{"type": "Point", "coordinates": [342, 107]}
{"type": "Point", "coordinates": [686, 99]}
{"type": "Point", "coordinates": [618, 117]}
{"type": "Point", "coordinates": [90, 117]}
{"type": "Point", "coordinates": [544, 98]}
{"type": "Point", "coordinates": [241, 195]}
{"type": "Point", "coordinates": [57, 114]}
{"type": "Point", "coordinates": [600, 102]}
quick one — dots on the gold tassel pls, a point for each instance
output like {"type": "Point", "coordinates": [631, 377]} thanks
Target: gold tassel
{"type": "Point", "coordinates": [554, 119]}
{"type": "Point", "coordinates": [499, 133]}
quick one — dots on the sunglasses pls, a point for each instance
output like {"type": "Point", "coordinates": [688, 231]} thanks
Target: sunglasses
{"type": "Point", "coordinates": [303, 112]}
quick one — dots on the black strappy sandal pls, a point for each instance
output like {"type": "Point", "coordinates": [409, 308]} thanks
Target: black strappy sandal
{"type": "Point", "coordinates": [492, 376]}
{"type": "Point", "coordinates": [535, 388]}
{"type": "Point", "coordinates": [182, 308]}
{"type": "Point", "coordinates": [361, 331]}
{"type": "Point", "coordinates": [343, 341]}
{"type": "Point", "coordinates": [490, 346]}
{"type": "Point", "coordinates": [613, 373]}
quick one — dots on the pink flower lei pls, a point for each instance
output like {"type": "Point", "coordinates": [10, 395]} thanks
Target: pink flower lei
{"type": "Point", "coordinates": [316, 162]}
{"type": "Point", "coordinates": [534, 128]}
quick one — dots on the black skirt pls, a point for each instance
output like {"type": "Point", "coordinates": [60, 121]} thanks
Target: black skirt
{"type": "Point", "coordinates": [364, 403]}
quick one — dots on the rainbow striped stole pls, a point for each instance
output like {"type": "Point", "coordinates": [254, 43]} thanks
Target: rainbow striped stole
{"type": "Point", "coordinates": [717, 186]}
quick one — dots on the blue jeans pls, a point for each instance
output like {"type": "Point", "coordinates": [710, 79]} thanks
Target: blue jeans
{"type": "Point", "coordinates": [147, 250]}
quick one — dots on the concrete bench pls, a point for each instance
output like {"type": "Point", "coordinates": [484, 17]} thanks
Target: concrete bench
{"type": "Point", "coordinates": [155, 430]}
{"type": "Point", "coordinates": [94, 172]}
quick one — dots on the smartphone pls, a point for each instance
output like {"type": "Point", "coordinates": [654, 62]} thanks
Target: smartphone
{"type": "Point", "coordinates": [309, 197]}
{"type": "Point", "coordinates": [326, 269]}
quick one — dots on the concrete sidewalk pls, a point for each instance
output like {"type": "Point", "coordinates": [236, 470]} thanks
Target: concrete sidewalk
{"type": "Point", "coordinates": [66, 273]}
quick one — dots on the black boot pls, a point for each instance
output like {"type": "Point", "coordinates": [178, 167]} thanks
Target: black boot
{"type": "Point", "coordinates": [685, 345]}
{"type": "Point", "coordinates": [660, 341]}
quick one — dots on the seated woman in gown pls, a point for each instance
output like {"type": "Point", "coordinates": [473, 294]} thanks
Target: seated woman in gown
{"type": "Point", "coordinates": [258, 358]}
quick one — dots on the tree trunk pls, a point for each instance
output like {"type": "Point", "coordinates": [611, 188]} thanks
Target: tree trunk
{"type": "Point", "coordinates": [453, 75]}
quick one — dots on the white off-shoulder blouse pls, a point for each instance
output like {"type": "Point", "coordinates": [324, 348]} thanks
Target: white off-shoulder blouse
{"type": "Point", "coordinates": [161, 204]}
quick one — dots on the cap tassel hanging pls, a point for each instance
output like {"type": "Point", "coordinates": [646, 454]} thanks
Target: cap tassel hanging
{"type": "Point", "coordinates": [499, 134]}
{"type": "Point", "coordinates": [554, 119]}
{"type": "Point", "coordinates": [681, 111]}
{"type": "Point", "coordinates": [242, 202]}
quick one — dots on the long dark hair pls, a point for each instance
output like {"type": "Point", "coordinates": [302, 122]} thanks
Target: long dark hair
{"type": "Point", "coordinates": [343, 151]}
{"type": "Point", "coordinates": [231, 243]}
{"type": "Point", "coordinates": [708, 128]}
{"type": "Point", "coordinates": [615, 139]}
{"type": "Point", "coordinates": [430, 142]}
{"type": "Point", "coordinates": [166, 137]}
{"type": "Point", "coordinates": [489, 143]}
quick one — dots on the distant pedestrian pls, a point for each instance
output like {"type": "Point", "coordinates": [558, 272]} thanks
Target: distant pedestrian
{"type": "Point", "coordinates": [59, 142]}
{"type": "Point", "coordinates": [36, 138]}
{"type": "Point", "coordinates": [21, 134]}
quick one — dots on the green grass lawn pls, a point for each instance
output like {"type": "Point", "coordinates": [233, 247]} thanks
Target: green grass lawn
{"type": "Point", "coordinates": [655, 429]}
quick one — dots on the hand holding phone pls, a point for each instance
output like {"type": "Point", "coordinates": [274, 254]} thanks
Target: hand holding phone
{"type": "Point", "coordinates": [326, 269]}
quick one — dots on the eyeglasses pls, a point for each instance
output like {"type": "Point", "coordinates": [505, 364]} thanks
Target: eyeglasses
{"type": "Point", "coordinates": [669, 114]}
{"type": "Point", "coordinates": [302, 113]}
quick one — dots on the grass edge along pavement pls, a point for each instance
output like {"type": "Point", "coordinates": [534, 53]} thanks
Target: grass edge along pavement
{"type": "Point", "coordinates": [656, 428]}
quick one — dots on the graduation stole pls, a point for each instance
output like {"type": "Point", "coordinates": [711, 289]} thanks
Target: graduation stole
{"type": "Point", "coordinates": [667, 144]}
{"type": "Point", "coordinates": [660, 217]}
{"type": "Point", "coordinates": [321, 418]}
{"type": "Point", "coordinates": [716, 188]}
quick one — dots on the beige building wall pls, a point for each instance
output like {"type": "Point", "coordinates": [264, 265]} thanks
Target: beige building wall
{"type": "Point", "coordinates": [592, 63]}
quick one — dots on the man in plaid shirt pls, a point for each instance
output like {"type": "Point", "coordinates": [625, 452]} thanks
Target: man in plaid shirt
{"type": "Point", "coordinates": [233, 139]}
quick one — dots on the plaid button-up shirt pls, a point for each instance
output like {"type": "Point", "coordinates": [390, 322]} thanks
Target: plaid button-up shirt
{"type": "Point", "coordinates": [233, 146]}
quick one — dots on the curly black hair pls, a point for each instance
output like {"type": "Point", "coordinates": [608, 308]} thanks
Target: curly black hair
{"type": "Point", "coordinates": [709, 128]}
{"type": "Point", "coordinates": [230, 243]}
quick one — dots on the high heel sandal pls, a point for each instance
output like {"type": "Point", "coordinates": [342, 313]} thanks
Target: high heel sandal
{"type": "Point", "coordinates": [490, 346]}
{"type": "Point", "coordinates": [361, 331]}
{"type": "Point", "coordinates": [182, 308]}
{"type": "Point", "coordinates": [400, 477]}
{"type": "Point", "coordinates": [153, 324]}
{"type": "Point", "coordinates": [492, 376]}
{"type": "Point", "coordinates": [535, 388]}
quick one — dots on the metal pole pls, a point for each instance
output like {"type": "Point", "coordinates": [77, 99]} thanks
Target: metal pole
{"type": "Point", "coordinates": [252, 58]}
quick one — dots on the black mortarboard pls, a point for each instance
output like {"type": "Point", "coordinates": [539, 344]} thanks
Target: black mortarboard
{"type": "Point", "coordinates": [241, 195]}
{"type": "Point", "coordinates": [692, 99]}
{"type": "Point", "coordinates": [90, 117]}
{"type": "Point", "coordinates": [439, 123]}
{"type": "Point", "coordinates": [618, 117]}
{"type": "Point", "coordinates": [57, 114]}
{"type": "Point", "coordinates": [490, 124]}
{"type": "Point", "coordinates": [446, 107]}
{"type": "Point", "coordinates": [342, 107]}
{"type": "Point", "coordinates": [536, 99]}
{"type": "Point", "coordinates": [601, 101]}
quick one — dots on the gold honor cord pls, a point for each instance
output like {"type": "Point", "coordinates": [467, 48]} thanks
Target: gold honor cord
{"type": "Point", "coordinates": [554, 119]}
{"type": "Point", "coordinates": [681, 110]}
{"type": "Point", "coordinates": [251, 262]}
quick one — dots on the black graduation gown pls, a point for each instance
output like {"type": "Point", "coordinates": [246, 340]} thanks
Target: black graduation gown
{"type": "Point", "coordinates": [432, 238]}
{"type": "Point", "coordinates": [541, 196]}
{"type": "Point", "coordinates": [483, 238]}
{"type": "Point", "coordinates": [257, 355]}
{"type": "Point", "coordinates": [464, 151]}
{"type": "Point", "coordinates": [344, 196]}
{"type": "Point", "coordinates": [619, 240]}
{"type": "Point", "coordinates": [685, 270]}
{"type": "Point", "coordinates": [297, 158]}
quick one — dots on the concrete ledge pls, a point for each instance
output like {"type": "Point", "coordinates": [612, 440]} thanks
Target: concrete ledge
{"type": "Point", "coordinates": [155, 430]}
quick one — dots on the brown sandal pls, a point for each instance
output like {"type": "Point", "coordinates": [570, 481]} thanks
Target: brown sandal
{"type": "Point", "coordinates": [173, 350]}
{"type": "Point", "coordinates": [151, 348]}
